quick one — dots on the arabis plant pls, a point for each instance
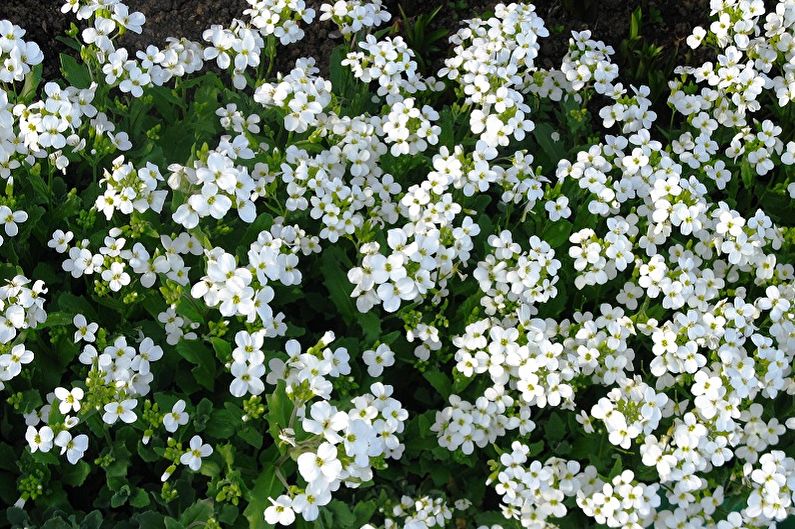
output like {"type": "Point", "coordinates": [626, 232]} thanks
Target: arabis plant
{"type": "Point", "coordinates": [492, 296]}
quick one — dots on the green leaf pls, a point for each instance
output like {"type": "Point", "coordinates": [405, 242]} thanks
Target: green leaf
{"type": "Point", "coordinates": [172, 523]}
{"type": "Point", "coordinates": [140, 499]}
{"type": "Point", "coordinates": [224, 423]}
{"type": "Point", "coordinates": [617, 467]}
{"type": "Point", "coordinates": [370, 323]}
{"type": "Point", "coordinates": [555, 428]}
{"type": "Point", "coordinates": [251, 436]}
{"type": "Point", "coordinates": [634, 24]}
{"type": "Point", "coordinates": [56, 523]}
{"type": "Point", "coordinates": [553, 150]}
{"type": "Point", "coordinates": [188, 309]}
{"type": "Point", "coordinates": [440, 382]}
{"type": "Point", "coordinates": [747, 173]}
{"type": "Point", "coordinates": [341, 514]}
{"type": "Point", "coordinates": [336, 281]}
{"type": "Point", "coordinates": [447, 124]}
{"type": "Point", "coordinates": [198, 513]}
{"type": "Point", "coordinates": [150, 520]}
{"type": "Point", "coordinates": [56, 319]}
{"type": "Point", "coordinates": [340, 76]}
{"type": "Point", "coordinates": [72, 304]}
{"type": "Point", "coordinates": [535, 448]}
{"type": "Point", "coordinates": [229, 514]}
{"type": "Point", "coordinates": [120, 497]}
{"type": "Point", "coordinates": [267, 485]}
{"type": "Point", "coordinates": [202, 357]}
{"type": "Point", "coordinates": [75, 73]}
{"type": "Point", "coordinates": [557, 233]}
{"type": "Point", "coordinates": [93, 520]}
{"type": "Point", "coordinates": [32, 81]}
{"type": "Point", "coordinates": [17, 516]}
{"type": "Point", "coordinates": [75, 475]}
{"type": "Point", "coordinates": [222, 348]}
{"type": "Point", "coordinates": [280, 408]}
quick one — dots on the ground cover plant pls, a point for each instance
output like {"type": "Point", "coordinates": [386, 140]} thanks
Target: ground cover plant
{"type": "Point", "coordinates": [488, 295]}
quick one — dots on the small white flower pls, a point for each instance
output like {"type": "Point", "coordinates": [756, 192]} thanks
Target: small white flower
{"type": "Point", "coordinates": [176, 417]}
{"type": "Point", "coordinates": [193, 456]}
{"type": "Point", "coordinates": [120, 410]}
{"type": "Point", "coordinates": [70, 400]}
{"type": "Point", "coordinates": [41, 439]}
{"type": "Point", "coordinates": [85, 330]}
{"type": "Point", "coordinates": [281, 511]}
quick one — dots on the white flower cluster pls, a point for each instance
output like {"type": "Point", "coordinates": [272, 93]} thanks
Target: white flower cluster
{"type": "Point", "coordinates": [418, 261]}
{"type": "Point", "coordinates": [493, 62]}
{"type": "Point", "coordinates": [239, 46]}
{"type": "Point", "coordinates": [391, 63]}
{"type": "Point", "coordinates": [744, 68]}
{"type": "Point", "coordinates": [599, 260]}
{"type": "Point", "coordinates": [465, 425]}
{"type": "Point", "coordinates": [641, 409]}
{"type": "Point", "coordinates": [683, 364]}
{"type": "Point", "coordinates": [128, 371]}
{"type": "Point", "coordinates": [623, 502]}
{"type": "Point", "coordinates": [17, 56]}
{"type": "Point", "coordinates": [280, 18]}
{"type": "Point", "coordinates": [428, 336]}
{"type": "Point", "coordinates": [352, 16]}
{"type": "Point", "coordinates": [216, 185]}
{"type": "Point", "coordinates": [22, 308]}
{"type": "Point", "coordinates": [588, 61]}
{"type": "Point", "coordinates": [243, 290]}
{"type": "Point", "coordinates": [120, 368]}
{"type": "Point", "coordinates": [511, 277]}
{"type": "Point", "coordinates": [409, 129]}
{"type": "Point", "coordinates": [419, 513]}
{"type": "Point", "coordinates": [345, 445]}
{"type": "Point", "coordinates": [532, 491]}
{"type": "Point", "coordinates": [47, 126]}
{"type": "Point", "coordinates": [301, 94]}
{"type": "Point", "coordinates": [772, 486]}
{"type": "Point", "coordinates": [175, 325]}
{"type": "Point", "coordinates": [150, 67]}
{"type": "Point", "coordinates": [131, 189]}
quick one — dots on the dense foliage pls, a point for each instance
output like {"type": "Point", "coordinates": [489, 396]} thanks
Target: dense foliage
{"type": "Point", "coordinates": [498, 296]}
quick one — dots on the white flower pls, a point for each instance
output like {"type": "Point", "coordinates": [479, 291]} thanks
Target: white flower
{"type": "Point", "coordinates": [377, 360]}
{"type": "Point", "coordinates": [176, 417]}
{"type": "Point", "coordinates": [85, 331]}
{"type": "Point", "coordinates": [281, 511]}
{"type": "Point", "coordinates": [322, 465]}
{"type": "Point", "coordinates": [120, 410]}
{"type": "Point", "coordinates": [60, 240]}
{"type": "Point", "coordinates": [193, 456]}
{"type": "Point", "coordinates": [41, 439]}
{"type": "Point", "coordinates": [248, 379]}
{"type": "Point", "coordinates": [558, 209]}
{"type": "Point", "coordinates": [11, 219]}
{"type": "Point", "coordinates": [695, 39]}
{"type": "Point", "coordinates": [325, 420]}
{"type": "Point", "coordinates": [116, 277]}
{"type": "Point", "coordinates": [73, 447]}
{"type": "Point", "coordinates": [70, 400]}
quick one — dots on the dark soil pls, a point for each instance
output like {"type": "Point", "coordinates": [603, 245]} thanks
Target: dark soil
{"type": "Point", "coordinates": [665, 23]}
